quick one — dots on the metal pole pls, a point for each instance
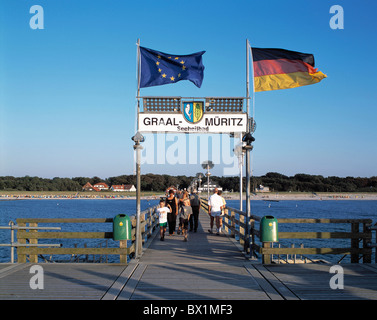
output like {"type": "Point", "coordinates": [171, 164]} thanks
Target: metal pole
{"type": "Point", "coordinates": [11, 223]}
{"type": "Point", "coordinates": [208, 182]}
{"type": "Point", "coordinates": [241, 184]}
{"type": "Point", "coordinates": [247, 79]}
{"type": "Point", "coordinates": [240, 164]}
{"type": "Point", "coordinates": [137, 139]}
{"type": "Point", "coordinates": [138, 85]}
{"type": "Point", "coordinates": [248, 213]}
{"type": "Point", "coordinates": [138, 68]}
{"type": "Point", "coordinates": [138, 243]}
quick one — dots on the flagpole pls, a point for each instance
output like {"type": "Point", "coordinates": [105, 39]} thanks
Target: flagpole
{"type": "Point", "coordinates": [252, 66]}
{"type": "Point", "coordinates": [138, 84]}
{"type": "Point", "coordinates": [137, 138]}
{"type": "Point", "coordinates": [247, 162]}
{"type": "Point", "coordinates": [247, 78]}
{"type": "Point", "coordinates": [252, 126]}
{"type": "Point", "coordinates": [253, 95]}
{"type": "Point", "coordinates": [247, 112]}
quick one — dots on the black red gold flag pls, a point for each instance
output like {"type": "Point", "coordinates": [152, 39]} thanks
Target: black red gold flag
{"type": "Point", "coordinates": [276, 69]}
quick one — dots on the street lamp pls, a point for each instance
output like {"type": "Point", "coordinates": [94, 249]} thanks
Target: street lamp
{"type": "Point", "coordinates": [239, 152]}
{"type": "Point", "coordinates": [247, 140]}
{"type": "Point", "coordinates": [208, 165]}
{"type": "Point", "coordinates": [138, 138]}
{"type": "Point", "coordinates": [199, 175]}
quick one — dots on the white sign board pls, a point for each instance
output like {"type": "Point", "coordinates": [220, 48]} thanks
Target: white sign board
{"type": "Point", "coordinates": [177, 123]}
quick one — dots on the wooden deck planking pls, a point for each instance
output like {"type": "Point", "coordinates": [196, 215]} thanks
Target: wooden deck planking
{"type": "Point", "coordinates": [312, 281]}
{"type": "Point", "coordinates": [204, 282]}
{"type": "Point", "coordinates": [117, 287]}
{"type": "Point", "coordinates": [61, 281]}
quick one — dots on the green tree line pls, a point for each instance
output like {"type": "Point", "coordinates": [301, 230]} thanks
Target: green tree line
{"type": "Point", "coordinates": [155, 182]}
{"type": "Point", "coordinates": [316, 183]}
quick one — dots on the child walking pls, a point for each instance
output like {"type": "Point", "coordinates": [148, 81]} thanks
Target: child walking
{"type": "Point", "coordinates": [163, 218]}
{"type": "Point", "coordinates": [185, 213]}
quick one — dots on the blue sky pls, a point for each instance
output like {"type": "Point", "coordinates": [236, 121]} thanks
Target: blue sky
{"type": "Point", "coordinates": [67, 92]}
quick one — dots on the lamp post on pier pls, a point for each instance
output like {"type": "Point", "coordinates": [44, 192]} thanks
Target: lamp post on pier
{"type": "Point", "coordinates": [138, 138]}
{"type": "Point", "coordinates": [247, 147]}
{"type": "Point", "coordinates": [199, 175]}
{"type": "Point", "coordinates": [208, 165]}
{"type": "Point", "coordinates": [239, 152]}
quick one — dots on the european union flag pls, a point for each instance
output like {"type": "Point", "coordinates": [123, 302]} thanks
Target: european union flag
{"type": "Point", "coordinates": [158, 68]}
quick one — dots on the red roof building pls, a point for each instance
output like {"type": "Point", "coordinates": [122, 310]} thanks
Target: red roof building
{"type": "Point", "coordinates": [116, 187]}
{"type": "Point", "coordinates": [101, 186]}
{"type": "Point", "coordinates": [89, 187]}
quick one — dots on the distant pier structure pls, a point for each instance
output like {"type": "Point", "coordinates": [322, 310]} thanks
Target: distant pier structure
{"type": "Point", "coordinates": [212, 185]}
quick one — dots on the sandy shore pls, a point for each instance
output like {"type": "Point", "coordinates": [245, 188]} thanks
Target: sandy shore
{"type": "Point", "coordinates": [315, 196]}
{"type": "Point", "coordinates": [281, 196]}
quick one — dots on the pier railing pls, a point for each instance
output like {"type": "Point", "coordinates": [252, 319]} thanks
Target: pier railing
{"type": "Point", "coordinates": [28, 248]}
{"type": "Point", "coordinates": [355, 235]}
{"type": "Point", "coordinates": [359, 235]}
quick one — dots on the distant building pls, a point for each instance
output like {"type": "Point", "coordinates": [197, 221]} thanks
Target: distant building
{"type": "Point", "coordinates": [212, 187]}
{"type": "Point", "coordinates": [129, 188]}
{"type": "Point", "coordinates": [123, 188]}
{"type": "Point", "coordinates": [101, 186]}
{"type": "Point", "coordinates": [89, 187]}
{"type": "Point", "coordinates": [117, 187]}
{"type": "Point", "coordinates": [263, 189]}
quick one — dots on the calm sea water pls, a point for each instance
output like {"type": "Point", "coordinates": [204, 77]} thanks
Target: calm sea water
{"type": "Point", "coordinates": [58, 208]}
{"type": "Point", "coordinates": [55, 208]}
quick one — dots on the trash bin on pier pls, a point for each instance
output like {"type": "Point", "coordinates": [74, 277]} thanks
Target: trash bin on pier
{"type": "Point", "coordinates": [269, 229]}
{"type": "Point", "coordinates": [122, 227]}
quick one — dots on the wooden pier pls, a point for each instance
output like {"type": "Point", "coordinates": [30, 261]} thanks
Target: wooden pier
{"type": "Point", "coordinates": [207, 267]}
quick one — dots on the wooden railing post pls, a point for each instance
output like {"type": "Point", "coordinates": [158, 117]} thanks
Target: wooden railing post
{"type": "Point", "coordinates": [149, 222]}
{"type": "Point", "coordinates": [251, 235]}
{"type": "Point", "coordinates": [232, 221]}
{"type": "Point", "coordinates": [21, 258]}
{"type": "Point", "coordinates": [266, 258]}
{"type": "Point", "coordinates": [242, 230]}
{"type": "Point", "coordinates": [123, 257]}
{"type": "Point", "coordinates": [33, 257]}
{"type": "Point", "coordinates": [367, 257]}
{"type": "Point", "coordinates": [354, 243]}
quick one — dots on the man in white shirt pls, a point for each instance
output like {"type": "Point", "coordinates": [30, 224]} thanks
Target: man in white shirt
{"type": "Point", "coordinates": [215, 204]}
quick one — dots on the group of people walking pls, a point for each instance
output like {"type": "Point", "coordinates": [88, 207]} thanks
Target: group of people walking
{"type": "Point", "coordinates": [185, 207]}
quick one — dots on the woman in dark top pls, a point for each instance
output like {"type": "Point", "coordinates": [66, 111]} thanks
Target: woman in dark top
{"type": "Point", "coordinates": [172, 204]}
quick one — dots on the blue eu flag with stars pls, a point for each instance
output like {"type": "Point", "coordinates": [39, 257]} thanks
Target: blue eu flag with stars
{"type": "Point", "coordinates": [158, 68]}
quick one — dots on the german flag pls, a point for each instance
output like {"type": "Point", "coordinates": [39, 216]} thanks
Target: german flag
{"type": "Point", "coordinates": [276, 69]}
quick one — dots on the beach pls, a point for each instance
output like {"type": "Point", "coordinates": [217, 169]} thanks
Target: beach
{"type": "Point", "coordinates": [262, 196]}
{"type": "Point", "coordinates": [314, 196]}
